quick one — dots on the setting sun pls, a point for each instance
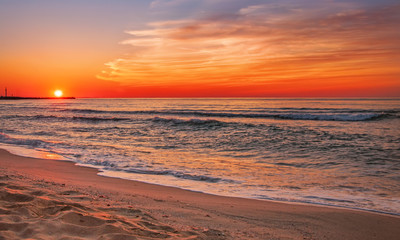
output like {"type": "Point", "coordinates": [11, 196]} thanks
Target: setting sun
{"type": "Point", "coordinates": [58, 93]}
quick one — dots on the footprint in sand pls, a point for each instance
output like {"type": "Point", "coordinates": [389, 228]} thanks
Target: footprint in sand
{"type": "Point", "coordinates": [15, 187]}
{"type": "Point", "coordinates": [38, 193]}
{"type": "Point", "coordinates": [74, 195]}
{"type": "Point", "coordinates": [152, 226]}
{"type": "Point", "coordinates": [81, 220]}
{"type": "Point", "coordinates": [14, 197]}
{"type": "Point", "coordinates": [70, 193]}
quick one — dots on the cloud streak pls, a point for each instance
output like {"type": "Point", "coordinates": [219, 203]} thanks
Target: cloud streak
{"type": "Point", "coordinates": [265, 44]}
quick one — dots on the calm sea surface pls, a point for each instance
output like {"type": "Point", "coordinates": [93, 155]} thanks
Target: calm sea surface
{"type": "Point", "coordinates": [337, 152]}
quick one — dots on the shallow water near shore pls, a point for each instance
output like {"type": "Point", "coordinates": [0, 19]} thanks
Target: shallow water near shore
{"type": "Point", "coordinates": [341, 152]}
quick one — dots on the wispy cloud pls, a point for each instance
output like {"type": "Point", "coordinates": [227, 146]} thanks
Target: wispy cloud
{"type": "Point", "coordinates": [263, 44]}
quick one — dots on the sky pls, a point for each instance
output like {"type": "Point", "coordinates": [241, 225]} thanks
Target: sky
{"type": "Point", "coordinates": [200, 48]}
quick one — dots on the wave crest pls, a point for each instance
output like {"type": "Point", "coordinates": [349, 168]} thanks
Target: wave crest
{"type": "Point", "coordinates": [192, 121]}
{"type": "Point", "coordinates": [297, 114]}
{"type": "Point", "coordinates": [177, 175]}
{"type": "Point", "coordinates": [4, 138]}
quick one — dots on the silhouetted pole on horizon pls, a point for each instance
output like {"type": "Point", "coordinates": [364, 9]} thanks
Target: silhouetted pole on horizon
{"type": "Point", "coordinates": [13, 97]}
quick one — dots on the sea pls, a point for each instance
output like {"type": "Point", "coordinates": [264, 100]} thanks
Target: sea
{"type": "Point", "coordinates": [336, 152]}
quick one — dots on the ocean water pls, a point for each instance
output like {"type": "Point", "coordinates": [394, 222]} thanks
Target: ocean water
{"type": "Point", "coordinates": [340, 152]}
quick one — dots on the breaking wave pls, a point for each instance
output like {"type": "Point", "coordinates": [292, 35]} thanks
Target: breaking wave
{"type": "Point", "coordinates": [178, 175]}
{"type": "Point", "coordinates": [4, 138]}
{"type": "Point", "coordinates": [333, 117]}
{"type": "Point", "coordinates": [295, 115]}
{"type": "Point", "coordinates": [63, 118]}
{"type": "Point", "coordinates": [192, 121]}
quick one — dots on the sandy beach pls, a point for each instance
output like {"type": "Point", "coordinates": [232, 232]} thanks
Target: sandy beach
{"type": "Point", "coordinates": [50, 199]}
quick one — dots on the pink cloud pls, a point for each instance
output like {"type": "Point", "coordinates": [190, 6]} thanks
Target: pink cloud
{"type": "Point", "coordinates": [261, 44]}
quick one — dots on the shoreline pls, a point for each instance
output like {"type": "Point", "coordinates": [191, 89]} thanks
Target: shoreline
{"type": "Point", "coordinates": [243, 197]}
{"type": "Point", "coordinates": [15, 150]}
{"type": "Point", "coordinates": [50, 156]}
{"type": "Point", "coordinates": [190, 214]}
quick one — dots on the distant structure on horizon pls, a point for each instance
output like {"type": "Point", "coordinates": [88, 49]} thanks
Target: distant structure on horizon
{"type": "Point", "coordinates": [12, 97]}
{"type": "Point", "coordinates": [6, 94]}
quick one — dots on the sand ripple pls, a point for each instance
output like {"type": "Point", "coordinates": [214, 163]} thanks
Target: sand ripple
{"type": "Point", "coordinates": [36, 212]}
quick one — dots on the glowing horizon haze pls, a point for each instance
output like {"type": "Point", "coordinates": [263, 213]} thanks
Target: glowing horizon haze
{"type": "Point", "coordinates": [201, 48]}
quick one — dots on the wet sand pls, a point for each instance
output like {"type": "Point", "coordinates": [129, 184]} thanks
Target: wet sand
{"type": "Point", "coordinates": [51, 199]}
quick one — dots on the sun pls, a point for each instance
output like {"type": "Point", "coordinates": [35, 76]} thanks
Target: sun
{"type": "Point", "coordinates": [58, 93]}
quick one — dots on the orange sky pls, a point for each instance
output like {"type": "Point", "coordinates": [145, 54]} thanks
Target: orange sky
{"type": "Point", "coordinates": [201, 48]}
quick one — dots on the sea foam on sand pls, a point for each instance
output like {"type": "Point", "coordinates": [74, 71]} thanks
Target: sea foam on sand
{"type": "Point", "coordinates": [49, 199]}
